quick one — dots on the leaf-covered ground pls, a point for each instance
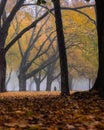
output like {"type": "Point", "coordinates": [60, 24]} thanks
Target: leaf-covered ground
{"type": "Point", "coordinates": [50, 111]}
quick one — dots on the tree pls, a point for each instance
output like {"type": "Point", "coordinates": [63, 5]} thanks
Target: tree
{"type": "Point", "coordinates": [62, 50]}
{"type": "Point", "coordinates": [38, 78]}
{"type": "Point", "coordinates": [50, 70]}
{"type": "Point", "coordinates": [5, 21]}
{"type": "Point", "coordinates": [25, 64]}
{"type": "Point", "coordinates": [26, 61]}
{"type": "Point", "coordinates": [4, 27]}
{"type": "Point", "coordinates": [99, 83]}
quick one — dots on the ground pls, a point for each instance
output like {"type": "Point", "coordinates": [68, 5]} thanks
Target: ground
{"type": "Point", "coordinates": [50, 111]}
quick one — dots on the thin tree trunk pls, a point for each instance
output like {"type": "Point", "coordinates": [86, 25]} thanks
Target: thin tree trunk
{"type": "Point", "coordinates": [2, 70]}
{"type": "Point", "coordinates": [89, 83]}
{"type": "Point", "coordinates": [62, 50]}
{"type": "Point", "coordinates": [50, 71]}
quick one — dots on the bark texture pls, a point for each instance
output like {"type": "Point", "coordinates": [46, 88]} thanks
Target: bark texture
{"type": "Point", "coordinates": [2, 70]}
{"type": "Point", "coordinates": [99, 83]}
{"type": "Point", "coordinates": [62, 50]}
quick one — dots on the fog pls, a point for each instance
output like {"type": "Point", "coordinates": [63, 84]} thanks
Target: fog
{"type": "Point", "coordinates": [79, 84]}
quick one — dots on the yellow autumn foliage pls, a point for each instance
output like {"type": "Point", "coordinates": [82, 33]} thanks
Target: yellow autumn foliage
{"type": "Point", "coordinates": [78, 29]}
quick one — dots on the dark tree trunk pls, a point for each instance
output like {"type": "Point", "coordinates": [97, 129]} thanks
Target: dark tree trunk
{"type": "Point", "coordinates": [50, 71]}
{"type": "Point", "coordinates": [62, 50]}
{"type": "Point", "coordinates": [4, 27]}
{"type": "Point", "coordinates": [38, 86]}
{"type": "Point", "coordinates": [37, 81]}
{"type": "Point", "coordinates": [49, 83]}
{"type": "Point", "coordinates": [99, 83]}
{"type": "Point", "coordinates": [2, 70]}
{"type": "Point", "coordinates": [22, 82]}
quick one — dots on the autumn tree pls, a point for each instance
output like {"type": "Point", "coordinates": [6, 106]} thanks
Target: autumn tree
{"type": "Point", "coordinates": [26, 62]}
{"type": "Point", "coordinates": [4, 27]}
{"type": "Point", "coordinates": [5, 22]}
{"type": "Point", "coordinates": [99, 83]}
{"type": "Point", "coordinates": [62, 50]}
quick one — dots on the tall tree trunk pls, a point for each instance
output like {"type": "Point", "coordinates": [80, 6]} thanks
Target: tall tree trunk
{"type": "Point", "coordinates": [22, 82]}
{"type": "Point", "coordinates": [2, 70]}
{"type": "Point", "coordinates": [50, 71]}
{"type": "Point", "coordinates": [62, 50]}
{"type": "Point", "coordinates": [99, 83]}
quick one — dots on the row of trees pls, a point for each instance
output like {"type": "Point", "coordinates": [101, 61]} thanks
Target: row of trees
{"type": "Point", "coordinates": [25, 64]}
{"type": "Point", "coordinates": [99, 83]}
{"type": "Point", "coordinates": [50, 75]}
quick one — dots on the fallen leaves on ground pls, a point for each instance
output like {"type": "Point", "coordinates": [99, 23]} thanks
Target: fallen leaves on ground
{"type": "Point", "coordinates": [50, 111]}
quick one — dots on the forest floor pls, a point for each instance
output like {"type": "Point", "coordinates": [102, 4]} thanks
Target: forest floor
{"type": "Point", "coordinates": [50, 111]}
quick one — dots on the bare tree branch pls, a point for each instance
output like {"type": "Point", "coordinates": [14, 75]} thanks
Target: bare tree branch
{"type": "Point", "coordinates": [12, 14]}
{"type": "Point", "coordinates": [38, 53]}
{"type": "Point", "coordinates": [16, 32]}
{"type": "Point", "coordinates": [40, 18]}
{"type": "Point", "coordinates": [31, 44]}
{"type": "Point", "coordinates": [2, 6]}
{"type": "Point", "coordinates": [25, 30]}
